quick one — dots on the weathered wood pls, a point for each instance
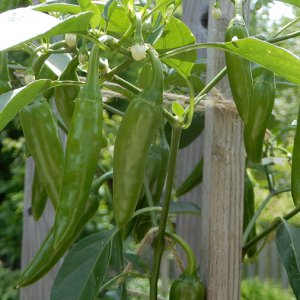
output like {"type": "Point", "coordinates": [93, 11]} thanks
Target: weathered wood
{"type": "Point", "coordinates": [217, 238]}
{"type": "Point", "coordinates": [33, 236]}
{"type": "Point", "coordinates": [222, 200]}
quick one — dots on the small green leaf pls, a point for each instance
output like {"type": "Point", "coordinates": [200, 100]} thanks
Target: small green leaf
{"type": "Point", "coordinates": [16, 26]}
{"type": "Point", "coordinates": [84, 268]}
{"type": "Point", "coordinates": [88, 5]}
{"type": "Point", "coordinates": [177, 109]}
{"type": "Point", "coordinates": [184, 207]}
{"type": "Point", "coordinates": [288, 246]}
{"type": "Point", "coordinates": [177, 34]}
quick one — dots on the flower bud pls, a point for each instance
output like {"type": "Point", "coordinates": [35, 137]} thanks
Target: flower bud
{"type": "Point", "coordinates": [29, 76]}
{"type": "Point", "coordinates": [138, 51]}
{"type": "Point", "coordinates": [70, 39]}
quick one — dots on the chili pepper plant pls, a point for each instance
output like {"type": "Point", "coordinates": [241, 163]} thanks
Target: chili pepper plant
{"type": "Point", "coordinates": [77, 58]}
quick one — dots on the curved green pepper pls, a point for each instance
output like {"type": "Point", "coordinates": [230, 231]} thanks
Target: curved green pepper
{"type": "Point", "coordinates": [65, 95]}
{"type": "Point", "coordinates": [41, 135]}
{"type": "Point", "coordinates": [48, 256]}
{"type": "Point", "coordinates": [295, 180]}
{"type": "Point", "coordinates": [239, 69]}
{"type": "Point", "coordinates": [82, 153]}
{"type": "Point", "coordinates": [136, 133]}
{"type": "Point", "coordinates": [262, 102]}
{"type": "Point", "coordinates": [38, 196]}
{"type": "Point", "coordinates": [5, 85]}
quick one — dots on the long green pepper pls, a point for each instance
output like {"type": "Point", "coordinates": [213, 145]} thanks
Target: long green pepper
{"type": "Point", "coordinates": [262, 103]}
{"type": "Point", "coordinates": [239, 69]}
{"type": "Point", "coordinates": [81, 155]}
{"type": "Point", "coordinates": [65, 95]}
{"type": "Point", "coordinates": [5, 85]}
{"type": "Point", "coordinates": [136, 133]}
{"type": "Point", "coordinates": [41, 135]}
{"type": "Point", "coordinates": [295, 180]}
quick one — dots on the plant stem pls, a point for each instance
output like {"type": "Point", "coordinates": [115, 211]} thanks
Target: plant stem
{"type": "Point", "coordinates": [113, 110]}
{"type": "Point", "coordinates": [287, 26]}
{"type": "Point", "coordinates": [238, 8]}
{"type": "Point", "coordinates": [126, 84]}
{"type": "Point", "coordinates": [285, 37]}
{"type": "Point", "coordinates": [159, 240]}
{"type": "Point", "coordinates": [258, 212]}
{"type": "Point", "coordinates": [270, 229]}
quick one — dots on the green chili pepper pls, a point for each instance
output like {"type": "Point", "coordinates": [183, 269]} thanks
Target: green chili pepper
{"type": "Point", "coordinates": [249, 210]}
{"type": "Point", "coordinates": [192, 180]}
{"type": "Point", "coordinates": [262, 103]}
{"type": "Point", "coordinates": [5, 85]}
{"type": "Point", "coordinates": [38, 197]}
{"type": "Point", "coordinates": [48, 256]}
{"type": "Point", "coordinates": [239, 69]}
{"type": "Point", "coordinates": [82, 153]}
{"type": "Point", "coordinates": [65, 95]}
{"type": "Point", "coordinates": [295, 181]}
{"type": "Point", "coordinates": [136, 133]}
{"type": "Point", "coordinates": [187, 288]}
{"type": "Point", "coordinates": [40, 131]}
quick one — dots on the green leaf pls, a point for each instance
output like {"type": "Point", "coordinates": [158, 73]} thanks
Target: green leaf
{"type": "Point", "coordinates": [279, 60]}
{"type": "Point", "coordinates": [288, 246]}
{"type": "Point", "coordinates": [177, 34]}
{"type": "Point", "coordinates": [16, 26]}
{"type": "Point", "coordinates": [108, 9]}
{"type": "Point", "coordinates": [84, 268]}
{"type": "Point", "coordinates": [62, 8]}
{"type": "Point", "coordinates": [177, 109]}
{"type": "Point", "coordinates": [293, 2]}
{"type": "Point", "coordinates": [88, 5]}
{"type": "Point", "coordinates": [12, 102]}
{"type": "Point", "coordinates": [184, 207]}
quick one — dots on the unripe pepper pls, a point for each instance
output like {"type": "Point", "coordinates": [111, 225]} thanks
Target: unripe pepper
{"type": "Point", "coordinates": [38, 196]}
{"type": "Point", "coordinates": [187, 288]}
{"type": "Point", "coordinates": [5, 85]}
{"type": "Point", "coordinates": [41, 135]}
{"type": "Point", "coordinates": [47, 256]}
{"type": "Point", "coordinates": [295, 181]}
{"type": "Point", "coordinates": [136, 133]}
{"type": "Point", "coordinates": [82, 153]}
{"type": "Point", "coordinates": [239, 69]}
{"type": "Point", "coordinates": [262, 102]}
{"type": "Point", "coordinates": [65, 95]}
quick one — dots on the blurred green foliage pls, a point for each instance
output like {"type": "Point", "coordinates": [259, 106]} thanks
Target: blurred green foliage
{"type": "Point", "coordinates": [8, 279]}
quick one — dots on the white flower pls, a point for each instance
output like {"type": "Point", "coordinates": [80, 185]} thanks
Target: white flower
{"type": "Point", "coordinates": [216, 13]}
{"type": "Point", "coordinates": [29, 76]}
{"type": "Point", "coordinates": [70, 39]}
{"type": "Point", "coordinates": [138, 51]}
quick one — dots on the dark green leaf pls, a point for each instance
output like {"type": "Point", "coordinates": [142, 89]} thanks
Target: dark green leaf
{"type": "Point", "coordinates": [184, 207]}
{"type": "Point", "coordinates": [288, 246]}
{"type": "Point", "coordinates": [16, 26]}
{"type": "Point", "coordinates": [84, 268]}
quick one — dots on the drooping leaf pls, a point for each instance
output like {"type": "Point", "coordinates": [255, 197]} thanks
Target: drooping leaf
{"type": "Point", "coordinates": [16, 26]}
{"type": "Point", "coordinates": [84, 268]}
{"type": "Point", "coordinates": [177, 34]}
{"type": "Point", "coordinates": [288, 246]}
{"type": "Point", "coordinates": [184, 207]}
{"type": "Point", "coordinates": [12, 102]}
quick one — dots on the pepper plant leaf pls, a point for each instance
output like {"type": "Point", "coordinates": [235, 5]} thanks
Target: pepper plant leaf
{"type": "Point", "coordinates": [91, 258]}
{"type": "Point", "coordinates": [288, 246]}
{"type": "Point", "coordinates": [293, 2]}
{"type": "Point", "coordinates": [177, 34]}
{"type": "Point", "coordinates": [63, 8]}
{"type": "Point", "coordinates": [16, 26]}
